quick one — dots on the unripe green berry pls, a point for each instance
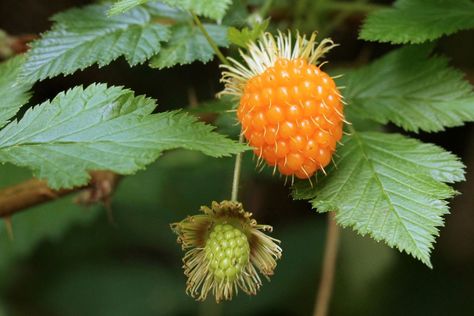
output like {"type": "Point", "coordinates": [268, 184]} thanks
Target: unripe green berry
{"type": "Point", "coordinates": [219, 259]}
{"type": "Point", "coordinates": [227, 250]}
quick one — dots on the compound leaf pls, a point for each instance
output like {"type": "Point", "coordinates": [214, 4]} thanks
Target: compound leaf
{"type": "Point", "coordinates": [417, 21]}
{"type": "Point", "coordinates": [411, 90]}
{"type": "Point", "coordinates": [390, 187]}
{"type": "Point", "coordinates": [82, 37]}
{"type": "Point", "coordinates": [101, 128]}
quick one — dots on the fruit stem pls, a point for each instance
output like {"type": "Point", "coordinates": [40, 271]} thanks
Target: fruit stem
{"type": "Point", "coordinates": [210, 40]}
{"type": "Point", "coordinates": [329, 266]}
{"type": "Point", "coordinates": [238, 158]}
{"type": "Point", "coordinates": [237, 169]}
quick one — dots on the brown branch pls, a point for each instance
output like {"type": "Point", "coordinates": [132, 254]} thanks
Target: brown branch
{"type": "Point", "coordinates": [11, 45]}
{"type": "Point", "coordinates": [34, 192]}
{"type": "Point", "coordinates": [329, 266]}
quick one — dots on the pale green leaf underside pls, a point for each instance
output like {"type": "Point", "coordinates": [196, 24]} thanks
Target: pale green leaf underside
{"type": "Point", "coordinates": [390, 187]}
{"type": "Point", "coordinates": [101, 128]}
{"type": "Point", "coordinates": [417, 21]}
{"type": "Point", "coordinates": [214, 9]}
{"type": "Point", "coordinates": [125, 5]}
{"type": "Point", "coordinates": [411, 90]}
{"type": "Point", "coordinates": [13, 93]}
{"type": "Point", "coordinates": [188, 44]}
{"type": "Point", "coordinates": [85, 36]}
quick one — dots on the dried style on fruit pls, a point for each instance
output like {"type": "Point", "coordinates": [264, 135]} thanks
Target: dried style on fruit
{"type": "Point", "coordinates": [290, 110]}
{"type": "Point", "coordinates": [227, 250]}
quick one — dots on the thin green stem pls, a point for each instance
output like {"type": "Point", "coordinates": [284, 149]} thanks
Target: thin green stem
{"type": "Point", "coordinates": [237, 170]}
{"type": "Point", "coordinates": [211, 308]}
{"type": "Point", "coordinates": [351, 6]}
{"type": "Point", "coordinates": [323, 297]}
{"type": "Point", "coordinates": [238, 159]}
{"type": "Point", "coordinates": [265, 8]}
{"type": "Point", "coordinates": [210, 40]}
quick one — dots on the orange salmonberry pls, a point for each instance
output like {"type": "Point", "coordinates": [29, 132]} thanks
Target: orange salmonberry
{"type": "Point", "coordinates": [290, 110]}
{"type": "Point", "coordinates": [292, 115]}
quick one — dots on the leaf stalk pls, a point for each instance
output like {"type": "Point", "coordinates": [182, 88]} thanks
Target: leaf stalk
{"type": "Point", "coordinates": [209, 39]}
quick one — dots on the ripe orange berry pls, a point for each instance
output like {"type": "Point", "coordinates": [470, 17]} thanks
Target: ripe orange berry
{"type": "Point", "coordinates": [292, 115]}
{"type": "Point", "coordinates": [290, 110]}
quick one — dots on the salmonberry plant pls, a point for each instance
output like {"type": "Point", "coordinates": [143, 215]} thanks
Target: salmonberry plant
{"type": "Point", "coordinates": [324, 132]}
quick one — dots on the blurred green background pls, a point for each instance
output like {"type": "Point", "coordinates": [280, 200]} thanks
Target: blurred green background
{"type": "Point", "coordinates": [68, 260]}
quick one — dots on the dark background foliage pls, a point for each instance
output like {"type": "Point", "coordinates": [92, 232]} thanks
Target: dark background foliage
{"type": "Point", "coordinates": [90, 267]}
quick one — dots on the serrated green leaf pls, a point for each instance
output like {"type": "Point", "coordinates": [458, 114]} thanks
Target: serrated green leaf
{"type": "Point", "coordinates": [161, 10]}
{"type": "Point", "coordinates": [85, 36]}
{"type": "Point", "coordinates": [411, 90]}
{"type": "Point", "coordinates": [188, 44]}
{"type": "Point", "coordinates": [237, 14]}
{"type": "Point", "coordinates": [155, 8]}
{"type": "Point", "coordinates": [390, 187]}
{"type": "Point", "coordinates": [243, 37]}
{"type": "Point", "coordinates": [122, 6]}
{"type": "Point", "coordinates": [417, 21]}
{"type": "Point", "coordinates": [214, 9]}
{"type": "Point", "coordinates": [101, 128]}
{"type": "Point", "coordinates": [13, 93]}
